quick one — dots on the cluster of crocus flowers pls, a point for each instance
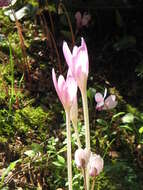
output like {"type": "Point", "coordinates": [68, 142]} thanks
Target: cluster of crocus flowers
{"type": "Point", "coordinates": [78, 69]}
{"type": "Point", "coordinates": [77, 75]}
{"type": "Point", "coordinates": [85, 158]}
{"type": "Point", "coordinates": [104, 103]}
{"type": "Point", "coordinates": [78, 63]}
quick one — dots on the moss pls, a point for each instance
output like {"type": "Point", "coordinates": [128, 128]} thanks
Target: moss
{"type": "Point", "coordinates": [30, 117]}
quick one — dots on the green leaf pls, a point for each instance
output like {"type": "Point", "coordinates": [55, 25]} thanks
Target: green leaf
{"type": "Point", "coordinates": [102, 122]}
{"type": "Point", "coordinates": [117, 115]}
{"type": "Point", "coordinates": [128, 118]}
{"type": "Point", "coordinates": [125, 42]}
{"type": "Point", "coordinates": [126, 127]}
{"type": "Point", "coordinates": [36, 147]}
{"type": "Point", "coordinates": [141, 130]}
{"type": "Point", "coordinates": [8, 169]}
{"type": "Point", "coordinates": [57, 164]}
{"type": "Point", "coordinates": [61, 159]}
{"type": "Point", "coordinates": [91, 93]}
{"type": "Point", "coordinates": [29, 153]}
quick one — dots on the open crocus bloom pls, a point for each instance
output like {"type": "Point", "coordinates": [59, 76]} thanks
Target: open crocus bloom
{"type": "Point", "coordinates": [82, 20]}
{"type": "Point", "coordinates": [82, 157]}
{"type": "Point", "coordinates": [78, 63]}
{"type": "Point", "coordinates": [95, 165]}
{"type": "Point", "coordinates": [66, 89]}
{"type": "Point", "coordinates": [105, 104]}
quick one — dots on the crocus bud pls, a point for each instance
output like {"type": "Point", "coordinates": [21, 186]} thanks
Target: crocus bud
{"type": "Point", "coordinates": [82, 157]}
{"type": "Point", "coordinates": [78, 63]}
{"type": "Point", "coordinates": [66, 89]}
{"type": "Point", "coordinates": [95, 165]}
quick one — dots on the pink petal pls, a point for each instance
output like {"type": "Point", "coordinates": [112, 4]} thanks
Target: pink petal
{"type": "Point", "coordinates": [95, 164]}
{"type": "Point", "coordinates": [72, 88]}
{"type": "Point", "coordinates": [99, 97]}
{"type": "Point", "coordinates": [99, 106]}
{"type": "Point", "coordinates": [55, 81]}
{"type": "Point", "coordinates": [75, 50]}
{"type": "Point", "coordinates": [67, 54]}
{"type": "Point", "coordinates": [86, 60]}
{"type": "Point", "coordinates": [110, 102]}
{"type": "Point", "coordinates": [61, 83]}
{"type": "Point", "coordinates": [80, 66]}
{"type": "Point", "coordinates": [78, 15]}
{"type": "Point", "coordinates": [86, 18]}
{"type": "Point", "coordinates": [78, 19]}
{"type": "Point", "coordinates": [82, 157]}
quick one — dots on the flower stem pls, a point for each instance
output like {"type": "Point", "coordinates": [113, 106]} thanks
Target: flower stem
{"type": "Point", "coordinates": [76, 134]}
{"type": "Point", "coordinates": [93, 184]}
{"type": "Point", "coordinates": [69, 157]}
{"type": "Point", "coordinates": [87, 131]}
{"type": "Point", "coordinates": [84, 176]}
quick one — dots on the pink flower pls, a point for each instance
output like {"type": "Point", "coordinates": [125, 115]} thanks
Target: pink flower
{"type": "Point", "coordinates": [95, 165]}
{"type": "Point", "coordinates": [74, 107]}
{"type": "Point", "coordinates": [78, 63]}
{"type": "Point", "coordinates": [66, 89]}
{"type": "Point", "coordinates": [104, 104]}
{"type": "Point", "coordinates": [82, 20]}
{"type": "Point", "coordinates": [82, 157]}
{"type": "Point", "coordinates": [4, 3]}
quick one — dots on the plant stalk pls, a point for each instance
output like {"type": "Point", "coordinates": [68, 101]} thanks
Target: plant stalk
{"type": "Point", "coordinates": [69, 156]}
{"type": "Point", "coordinates": [84, 176]}
{"type": "Point", "coordinates": [87, 131]}
{"type": "Point", "coordinates": [93, 184]}
{"type": "Point", "coordinates": [69, 22]}
{"type": "Point", "coordinates": [76, 134]}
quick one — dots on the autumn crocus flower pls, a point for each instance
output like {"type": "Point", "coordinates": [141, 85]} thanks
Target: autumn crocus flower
{"type": "Point", "coordinates": [82, 20]}
{"type": "Point", "coordinates": [95, 165]}
{"type": "Point", "coordinates": [66, 89]}
{"type": "Point", "coordinates": [82, 157]}
{"type": "Point", "coordinates": [104, 103]}
{"type": "Point", "coordinates": [78, 63]}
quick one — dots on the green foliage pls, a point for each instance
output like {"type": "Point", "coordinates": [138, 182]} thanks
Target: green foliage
{"type": "Point", "coordinates": [122, 170]}
{"type": "Point", "coordinates": [30, 117]}
{"type": "Point", "coordinates": [7, 170]}
{"type": "Point", "coordinates": [6, 123]}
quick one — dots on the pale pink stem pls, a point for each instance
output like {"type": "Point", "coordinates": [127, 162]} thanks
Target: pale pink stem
{"type": "Point", "coordinates": [69, 156]}
{"type": "Point", "coordinates": [87, 130]}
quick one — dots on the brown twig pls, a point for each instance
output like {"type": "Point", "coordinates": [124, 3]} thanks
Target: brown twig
{"type": "Point", "coordinates": [21, 38]}
{"type": "Point", "coordinates": [69, 22]}
{"type": "Point", "coordinates": [57, 53]}
{"type": "Point", "coordinates": [51, 40]}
